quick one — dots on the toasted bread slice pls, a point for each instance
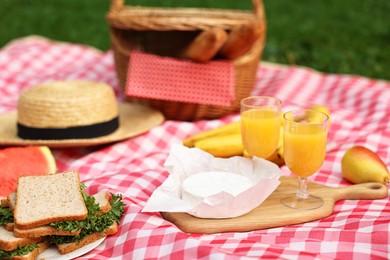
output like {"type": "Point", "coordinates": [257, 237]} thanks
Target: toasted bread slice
{"type": "Point", "coordinates": [70, 247]}
{"type": "Point", "coordinates": [9, 242]}
{"type": "Point", "coordinates": [43, 199]}
{"type": "Point", "coordinates": [33, 254]}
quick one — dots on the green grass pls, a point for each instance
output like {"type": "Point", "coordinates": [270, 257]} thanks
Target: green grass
{"type": "Point", "coordinates": [335, 36]}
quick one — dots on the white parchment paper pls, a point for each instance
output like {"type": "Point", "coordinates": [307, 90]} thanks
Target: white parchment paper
{"type": "Point", "coordinates": [183, 162]}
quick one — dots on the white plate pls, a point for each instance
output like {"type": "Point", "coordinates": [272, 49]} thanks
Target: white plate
{"type": "Point", "coordinates": [52, 252]}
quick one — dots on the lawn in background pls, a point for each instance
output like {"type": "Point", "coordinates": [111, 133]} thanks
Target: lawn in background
{"type": "Point", "coordinates": [335, 36]}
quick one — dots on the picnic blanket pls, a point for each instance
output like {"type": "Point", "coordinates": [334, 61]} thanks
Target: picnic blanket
{"type": "Point", "coordinates": [360, 109]}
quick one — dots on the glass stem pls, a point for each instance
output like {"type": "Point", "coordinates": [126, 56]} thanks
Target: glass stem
{"type": "Point", "coordinates": [302, 188]}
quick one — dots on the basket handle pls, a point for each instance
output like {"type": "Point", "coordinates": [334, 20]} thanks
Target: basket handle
{"type": "Point", "coordinates": [117, 5]}
{"type": "Point", "coordinates": [258, 8]}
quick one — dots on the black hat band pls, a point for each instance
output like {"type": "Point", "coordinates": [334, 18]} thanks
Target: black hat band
{"type": "Point", "coordinates": [76, 132]}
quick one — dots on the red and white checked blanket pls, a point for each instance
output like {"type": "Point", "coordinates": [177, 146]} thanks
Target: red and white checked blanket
{"type": "Point", "coordinates": [360, 109]}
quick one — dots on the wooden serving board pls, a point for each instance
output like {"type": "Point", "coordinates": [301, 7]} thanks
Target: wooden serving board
{"type": "Point", "coordinates": [271, 213]}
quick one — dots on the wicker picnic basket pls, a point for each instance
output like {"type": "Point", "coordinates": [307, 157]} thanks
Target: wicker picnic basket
{"type": "Point", "coordinates": [163, 31]}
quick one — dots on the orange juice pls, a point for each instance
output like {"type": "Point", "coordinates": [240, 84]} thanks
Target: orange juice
{"type": "Point", "coordinates": [260, 131]}
{"type": "Point", "coordinates": [304, 148]}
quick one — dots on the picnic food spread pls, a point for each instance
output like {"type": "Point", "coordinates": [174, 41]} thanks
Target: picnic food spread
{"type": "Point", "coordinates": [151, 151]}
{"type": "Point", "coordinates": [134, 167]}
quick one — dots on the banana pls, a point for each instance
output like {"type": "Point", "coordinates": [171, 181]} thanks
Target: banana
{"type": "Point", "coordinates": [231, 128]}
{"type": "Point", "coordinates": [222, 145]}
{"type": "Point", "coordinates": [280, 144]}
{"type": "Point", "coordinates": [276, 158]}
{"type": "Point", "coordinates": [225, 141]}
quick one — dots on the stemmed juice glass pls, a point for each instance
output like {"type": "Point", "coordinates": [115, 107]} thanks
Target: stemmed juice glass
{"type": "Point", "coordinates": [260, 125]}
{"type": "Point", "coordinates": [305, 134]}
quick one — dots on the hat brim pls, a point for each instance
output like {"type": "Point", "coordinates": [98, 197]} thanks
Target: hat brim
{"type": "Point", "coordinates": [134, 119]}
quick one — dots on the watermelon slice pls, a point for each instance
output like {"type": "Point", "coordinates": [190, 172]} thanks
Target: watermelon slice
{"type": "Point", "coordinates": [19, 161]}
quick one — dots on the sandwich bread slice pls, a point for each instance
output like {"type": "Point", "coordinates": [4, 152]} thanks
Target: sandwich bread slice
{"type": "Point", "coordinates": [101, 198]}
{"type": "Point", "coordinates": [32, 232]}
{"type": "Point", "coordinates": [66, 248]}
{"type": "Point", "coordinates": [41, 232]}
{"type": "Point", "coordinates": [9, 242]}
{"type": "Point", "coordinates": [41, 200]}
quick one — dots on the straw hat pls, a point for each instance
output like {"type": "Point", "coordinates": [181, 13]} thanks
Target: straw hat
{"type": "Point", "coordinates": [74, 113]}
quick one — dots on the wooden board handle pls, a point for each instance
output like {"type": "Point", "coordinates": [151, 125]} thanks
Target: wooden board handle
{"type": "Point", "coordinates": [369, 190]}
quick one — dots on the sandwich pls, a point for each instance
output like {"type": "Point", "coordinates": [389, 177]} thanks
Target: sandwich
{"type": "Point", "coordinates": [54, 210]}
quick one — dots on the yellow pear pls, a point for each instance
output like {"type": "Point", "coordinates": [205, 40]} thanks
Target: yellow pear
{"type": "Point", "coordinates": [360, 164]}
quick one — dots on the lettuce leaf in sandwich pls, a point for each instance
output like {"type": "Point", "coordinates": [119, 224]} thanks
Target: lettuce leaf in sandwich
{"type": "Point", "coordinates": [20, 251]}
{"type": "Point", "coordinates": [95, 222]}
{"type": "Point", "coordinates": [6, 216]}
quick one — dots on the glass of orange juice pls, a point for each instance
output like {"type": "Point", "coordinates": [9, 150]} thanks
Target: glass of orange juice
{"type": "Point", "coordinates": [305, 134]}
{"type": "Point", "coordinates": [260, 125]}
